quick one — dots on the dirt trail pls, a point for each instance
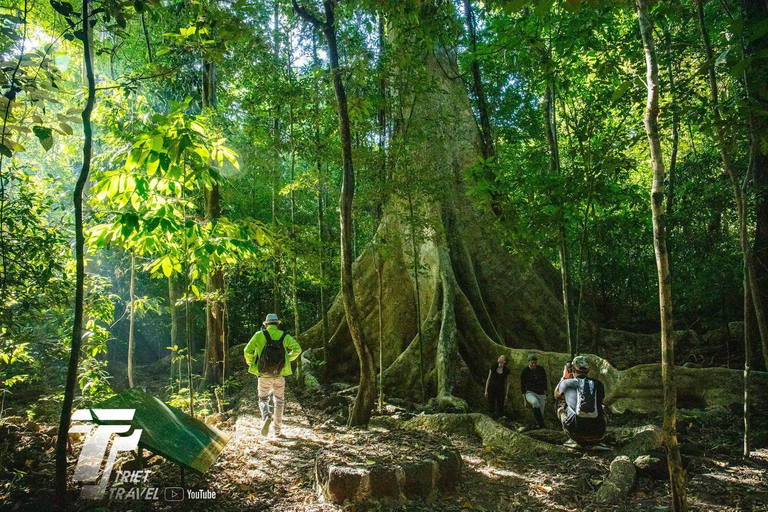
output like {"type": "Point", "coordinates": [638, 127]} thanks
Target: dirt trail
{"type": "Point", "coordinates": [258, 473]}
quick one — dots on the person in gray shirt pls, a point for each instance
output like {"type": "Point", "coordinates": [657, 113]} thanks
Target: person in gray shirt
{"type": "Point", "coordinates": [582, 414]}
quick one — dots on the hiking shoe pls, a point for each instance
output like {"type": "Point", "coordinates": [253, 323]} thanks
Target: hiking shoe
{"type": "Point", "coordinates": [602, 447]}
{"type": "Point", "coordinates": [570, 443]}
{"type": "Point", "coordinates": [265, 426]}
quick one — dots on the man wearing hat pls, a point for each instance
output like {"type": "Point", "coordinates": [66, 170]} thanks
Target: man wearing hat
{"type": "Point", "coordinates": [582, 415]}
{"type": "Point", "coordinates": [269, 355]}
{"type": "Point", "coordinates": [533, 386]}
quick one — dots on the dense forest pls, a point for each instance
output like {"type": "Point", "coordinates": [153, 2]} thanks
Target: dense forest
{"type": "Point", "coordinates": [414, 187]}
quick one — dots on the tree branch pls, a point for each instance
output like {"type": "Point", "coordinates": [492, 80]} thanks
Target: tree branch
{"type": "Point", "coordinates": [308, 16]}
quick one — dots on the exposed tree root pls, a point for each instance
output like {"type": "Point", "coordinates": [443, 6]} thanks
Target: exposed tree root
{"type": "Point", "coordinates": [622, 476]}
{"type": "Point", "coordinates": [492, 433]}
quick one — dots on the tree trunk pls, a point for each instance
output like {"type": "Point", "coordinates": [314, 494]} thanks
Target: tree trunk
{"type": "Point", "coordinates": [174, 294]}
{"type": "Point", "coordinates": [747, 356]}
{"type": "Point", "coordinates": [380, 307]}
{"type": "Point", "coordinates": [131, 320]}
{"type": "Point", "coordinates": [755, 77]}
{"type": "Point", "coordinates": [548, 106]}
{"type": "Point", "coordinates": [416, 264]}
{"type": "Point", "coordinates": [320, 201]}
{"type": "Point", "coordinates": [364, 402]}
{"type": "Point", "coordinates": [276, 175]}
{"type": "Point", "coordinates": [676, 473]}
{"type": "Point", "coordinates": [213, 371]}
{"type": "Point", "coordinates": [77, 329]}
{"type": "Point", "coordinates": [739, 187]}
{"type": "Point", "coordinates": [188, 316]}
{"type": "Point", "coordinates": [366, 396]}
{"type": "Point", "coordinates": [294, 248]}
{"type": "Point", "coordinates": [474, 287]}
{"type": "Point", "coordinates": [675, 124]}
{"type": "Point", "coordinates": [146, 37]}
{"type": "Point", "coordinates": [486, 137]}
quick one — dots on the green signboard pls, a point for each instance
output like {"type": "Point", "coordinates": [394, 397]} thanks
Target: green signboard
{"type": "Point", "coordinates": [169, 432]}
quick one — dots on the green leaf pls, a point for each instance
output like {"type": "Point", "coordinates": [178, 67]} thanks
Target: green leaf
{"type": "Point", "coordinates": [153, 162]}
{"type": "Point", "coordinates": [167, 266]}
{"type": "Point", "coordinates": [157, 143]}
{"type": "Point", "coordinates": [620, 90]}
{"type": "Point", "coordinates": [134, 157]}
{"type": "Point", "coordinates": [44, 135]}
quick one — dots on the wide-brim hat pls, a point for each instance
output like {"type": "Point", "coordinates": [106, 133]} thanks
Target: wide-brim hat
{"type": "Point", "coordinates": [271, 319]}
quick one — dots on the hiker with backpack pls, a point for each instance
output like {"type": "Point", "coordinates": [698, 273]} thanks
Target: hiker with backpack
{"type": "Point", "coordinates": [269, 355]}
{"type": "Point", "coordinates": [582, 415]}
{"type": "Point", "coordinates": [533, 386]}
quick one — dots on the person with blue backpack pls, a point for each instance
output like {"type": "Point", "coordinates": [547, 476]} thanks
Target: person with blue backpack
{"type": "Point", "coordinates": [269, 354]}
{"type": "Point", "coordinates": [582, 414]}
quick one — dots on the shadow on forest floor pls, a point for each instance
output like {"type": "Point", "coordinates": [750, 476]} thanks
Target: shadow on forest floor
{"type": "Point", "coordinates": [258, 473]}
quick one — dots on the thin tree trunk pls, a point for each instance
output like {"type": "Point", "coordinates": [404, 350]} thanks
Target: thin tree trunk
{"type": "Point", "coordinates": [296, 327]}
{"type": "Point", "coordinates": [173, 298]}
{"type": "Point", "coordinates": [187, 311]}
{"type": "Point", "coordinates": [77, 329]}
{"type": "Point", "coordinates": [380, 302]}
{"type": "Point", "coordinates": [582, 247]}
{"type": "Point", "coordinates": [320, 201]}
{"type": "Point", "coordinates": [747, 371]}
{"type": "Point", "coordinates": [146, 38]}
{"type": "Point", "coordinates": [416, 263]}
{"type": "Point", "coordinates": [486, 137]}
{"type": "Point", "coordinates": [548, 106]}
{"type": "Point", "coordinates": [674, 462]}
{"type": "Point", "coordinates": [276, 181]}
{"type": "Point", "coordinates": [739, 187]}
{"type": "Point", "coordinates": [755, 77]}
{"type": "Point", "coordinates": [213, 372]}
{"type": "Point", "coordinates": [675, 123]}
{"type": "Point", "coordinates": [366, 397]}
{"type": "Point", "coordinates": [131, 321]}
{"type": "Point", "coordinates": [754, 14]}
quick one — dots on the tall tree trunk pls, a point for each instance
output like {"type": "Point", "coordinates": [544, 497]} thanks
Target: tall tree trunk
{"type": "Point", "coordinates": [675, 123]}
{"type": "Point", "coordinates": [366, 397]}
{"type": "Point", "coordinates": [739, 187]}
{"type": "Point", "coordinates": [213, 372]}
{"type": "Point", "coordinates": [77, 328]}
{"type": "Point", "coordinates": [548, 108]}
{"type": "Point", "coordinates": [294, 248]}
{"type": "Point", "coordinates": [416, 264]}
{"type": "Point", "coordinates": [131, 320]}
{"type": "Point", "coordinates": [378, 210]}
{"type": "Point", "coordinates": [486, 137]}
{"type": "Point", "coordinates": [188, 317]}
{"type": "Point", "coordinates": [747, 370]}
{"type": "Point", "coordinates": [276, 175]}
{"type": "Point", "coordinates": [320, 200]}
{"type": "Point", "coordinates": [755, 12]}
{"type": "Point", "coordinates": [676, 473]}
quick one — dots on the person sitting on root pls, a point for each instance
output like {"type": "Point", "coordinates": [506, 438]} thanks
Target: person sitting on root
{"type": "Point", "coordinates": [497, 387]}
{"type": "Point", "coordinates": [533, 386]}
{"type": "Point", "coordinates": [269, 355]}
{"type": "Point", "coordinates": [582, 415]}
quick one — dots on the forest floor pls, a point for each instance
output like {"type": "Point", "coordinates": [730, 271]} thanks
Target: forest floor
{"type": "Point", "coordinates": [263, 473]}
